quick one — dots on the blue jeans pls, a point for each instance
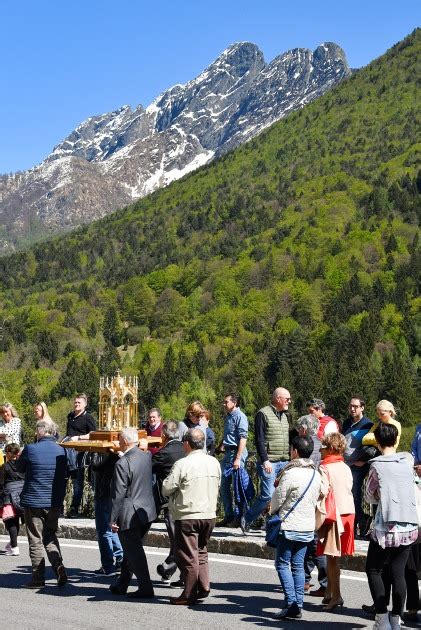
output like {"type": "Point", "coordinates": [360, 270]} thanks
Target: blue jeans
{"type": "Point", "coordinates": [230, 511]}
{"type": "Point", "coordinates": [266, 489]}
{"type": "Point", "coordinates": [108, 541]}
{"type": "Point", "coordinates": [289, 563]}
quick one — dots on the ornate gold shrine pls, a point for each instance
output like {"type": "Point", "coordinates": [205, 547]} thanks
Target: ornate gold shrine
{"type": "Point", "coordinates": [118, 410]}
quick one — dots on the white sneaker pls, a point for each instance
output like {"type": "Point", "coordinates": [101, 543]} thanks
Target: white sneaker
{"type": "Point", "coordinates": [381, 622]}
{"type": "Point", "coordinates": [13, 551]}
{"type": "Point", "coordinates": [8, 547]}
{"type": "Point", "coordinates": [395, 622]}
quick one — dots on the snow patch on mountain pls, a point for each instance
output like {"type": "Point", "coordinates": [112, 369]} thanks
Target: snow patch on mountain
{"type": "Point", "coordinates": [113, 158]}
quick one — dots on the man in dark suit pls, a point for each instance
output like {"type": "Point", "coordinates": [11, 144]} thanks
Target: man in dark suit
{"type": "Point", "coordinates": [132, 512]}
{"type": "Point", "coordinates": [162, 462]}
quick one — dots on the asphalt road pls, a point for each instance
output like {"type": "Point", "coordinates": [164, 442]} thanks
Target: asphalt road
{"type": "Point", "coordinates": [245, 593]}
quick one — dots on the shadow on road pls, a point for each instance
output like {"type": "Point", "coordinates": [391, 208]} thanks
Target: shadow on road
{"type": "Point", "coordinates": [254, 602]}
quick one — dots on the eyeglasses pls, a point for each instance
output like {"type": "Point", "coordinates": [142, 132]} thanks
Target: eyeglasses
{"type": "Point", "coordinates": [354, 406]}
{"type": "Point", "coordinates": [285, 398]}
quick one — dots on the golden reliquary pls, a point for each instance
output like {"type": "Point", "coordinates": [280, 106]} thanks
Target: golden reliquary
{"type": "Point", "coordinates": [118, 410]}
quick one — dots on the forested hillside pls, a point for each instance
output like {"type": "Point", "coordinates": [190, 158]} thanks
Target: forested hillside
{"type": "Point", "coordinates": [294, 260]}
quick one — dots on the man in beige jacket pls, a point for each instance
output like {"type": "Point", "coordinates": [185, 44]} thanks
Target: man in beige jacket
{"type": "Point", "coordinates": [192, 487]}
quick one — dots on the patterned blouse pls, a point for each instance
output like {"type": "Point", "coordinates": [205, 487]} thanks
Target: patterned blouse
{"type": "Point", "coordinates": [391, 534]}
{"type": "Point", "coordinates": [13, 431]}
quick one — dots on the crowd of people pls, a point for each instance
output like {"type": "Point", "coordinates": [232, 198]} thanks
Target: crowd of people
{"type": "Point", "coordinates": [316, 476]}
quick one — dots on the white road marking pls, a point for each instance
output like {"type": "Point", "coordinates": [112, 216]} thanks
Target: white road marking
{"type": "Point", "coordinates": [212, 557]}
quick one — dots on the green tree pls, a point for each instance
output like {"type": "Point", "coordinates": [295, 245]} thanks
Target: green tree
{"type": "Point", "coordinates": [112, 329]}
{"type": "Point", "coordinates": [47, 346]}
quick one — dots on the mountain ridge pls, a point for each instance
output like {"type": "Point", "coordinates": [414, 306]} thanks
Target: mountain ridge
{"type": "Point", "coordinates": [114, 158]}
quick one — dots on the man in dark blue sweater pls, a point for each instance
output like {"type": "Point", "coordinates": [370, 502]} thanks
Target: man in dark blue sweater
{"type": "Point", "coordinates": [44, 464]}
{"type": "Point", "coordinates": [354, 429]}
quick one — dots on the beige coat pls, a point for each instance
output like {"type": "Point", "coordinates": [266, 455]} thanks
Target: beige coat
{"type": "Point", "coordinates": [193, 487]}
{"type": "Point", "coordinates": [340, 477]}
{"type": "Point", "coordinates": [293, 482]}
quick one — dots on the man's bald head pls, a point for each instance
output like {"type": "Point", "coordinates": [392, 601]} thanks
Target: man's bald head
{"type": "Point", "coordinates": [281, 399]}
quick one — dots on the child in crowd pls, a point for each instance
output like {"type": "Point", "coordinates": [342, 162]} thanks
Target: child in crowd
{"type": "Point", "coordinates": [12, 485]}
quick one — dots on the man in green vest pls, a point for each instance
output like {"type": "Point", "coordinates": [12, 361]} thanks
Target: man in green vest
{"type": "Point", "coordinates": [271, 434]}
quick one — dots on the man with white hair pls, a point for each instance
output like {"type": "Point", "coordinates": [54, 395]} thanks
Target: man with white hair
{"type": "Point", "coordinates": [133, 511]}
{"type": "Point", "coordinates": [193, 487]}
{"type": "Point", "coordinates": [44, 464]}
{"type": "Point", "coordinates": [271, 434]}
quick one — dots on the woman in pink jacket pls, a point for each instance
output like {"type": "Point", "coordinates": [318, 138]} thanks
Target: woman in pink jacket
{"type": "Point", "coordinates": [336, 539]}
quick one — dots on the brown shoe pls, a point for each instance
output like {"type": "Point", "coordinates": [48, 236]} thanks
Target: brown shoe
{"type": "Point", "coordinates": [202, 593]}
{"type": "Point", "coordinates": [320, 592]}
{"type": "Point", "coordinates": [182, 601]}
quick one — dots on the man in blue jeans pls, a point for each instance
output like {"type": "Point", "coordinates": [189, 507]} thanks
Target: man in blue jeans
{"type": "Point", "coordinates": [235, 455]}
{"type": "Point", "coordinates": [271, 429]}
{"type": "Point", "coordinates": [110, 548]}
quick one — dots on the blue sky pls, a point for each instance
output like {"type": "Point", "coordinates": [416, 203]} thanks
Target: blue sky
{"type": "Point", "coordinates": [65, 61]}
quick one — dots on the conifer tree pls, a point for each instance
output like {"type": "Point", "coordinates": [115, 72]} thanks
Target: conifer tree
{"type": "Point", "coordinates": [112, 327]}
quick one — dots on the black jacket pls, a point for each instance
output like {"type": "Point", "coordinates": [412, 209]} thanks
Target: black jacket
{"type": "Point", "coordinates": [163, 460]}
{"type": "Point", "coordinates": [103, 464]}
{"type": "Point", "coordinates": [12, 483]}
{"type": "Point", "coordinates": [131, 490]}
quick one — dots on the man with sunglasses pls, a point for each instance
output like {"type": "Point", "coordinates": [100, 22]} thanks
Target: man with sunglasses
{"type": "Point", "coordinates": [355, 427]}
{"type": "Point", "coordinates": [271, 427]}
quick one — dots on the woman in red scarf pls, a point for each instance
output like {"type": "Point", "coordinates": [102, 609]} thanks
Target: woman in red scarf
{"type": "Point", "coordinates": [336, 537]}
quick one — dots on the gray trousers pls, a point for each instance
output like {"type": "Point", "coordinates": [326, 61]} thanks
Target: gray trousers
{"type": "Point", "coordinates": [41, 528]}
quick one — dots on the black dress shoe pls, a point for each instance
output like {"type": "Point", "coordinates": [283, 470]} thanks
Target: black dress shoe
{"type": "Point", "coordinates": [118, 589]}
{"type": "Point", "coordinates": [370, 609]}
{"type": "Point", "coordinates": [61, 574]}
{"type": "Point", "coordinates": [141, 593]}
{"type": "Point", "coordinates": [203, 593]}
{"type": "Point", "coordinates": [34, 585]}
{"type": "Point", "coordinates": [293, 612]}
{"type": "Point", "coordinates": [178, 584]}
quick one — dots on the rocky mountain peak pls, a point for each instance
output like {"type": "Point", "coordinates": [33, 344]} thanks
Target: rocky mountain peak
{"type": "Point", "coordinates": [113, 158]}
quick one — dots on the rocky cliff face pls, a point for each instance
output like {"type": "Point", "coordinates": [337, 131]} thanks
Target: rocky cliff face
{"type": "Point", "coordinates": [113, 159]}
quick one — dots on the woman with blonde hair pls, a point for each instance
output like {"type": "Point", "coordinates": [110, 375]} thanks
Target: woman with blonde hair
{"type": "Point", "coordinates": [386, 413]}
{"type": "Point", "coordinates": [10, 426]}
{"type": "Point", "coordinates": [41, 412]}
{"type": "Point", "coordinates": [336, 538]}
